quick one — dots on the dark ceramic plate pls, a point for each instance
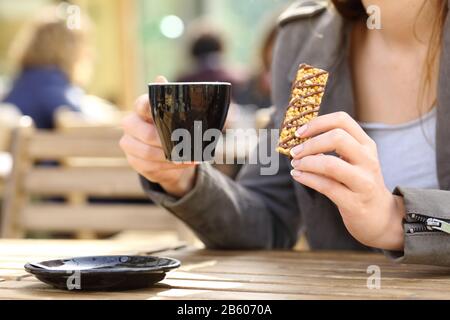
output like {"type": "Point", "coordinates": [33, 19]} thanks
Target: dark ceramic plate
{"type": "Point", "coordinates": [103, 272]}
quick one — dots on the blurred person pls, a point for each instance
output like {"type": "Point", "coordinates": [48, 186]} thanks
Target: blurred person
{"type": "Point", "coordinates": [207, 51]}
{"type": "Point", "coordinates": [374, 171]}
{"type": "Point", "coordinates": [257, 89]}
{"type": "Point", "coordinates": [52, 60]}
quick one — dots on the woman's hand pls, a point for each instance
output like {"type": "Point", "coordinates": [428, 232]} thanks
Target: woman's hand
{"type": "Point", "coordinates": [353, 181]}
{"type": "Point", "coordinates": [144, 152]}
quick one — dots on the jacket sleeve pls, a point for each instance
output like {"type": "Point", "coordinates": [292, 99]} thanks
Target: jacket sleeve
{"type": "Point", "coordinates": [426, 227]}
{"type": "Point", "coordinates": [255, 212]}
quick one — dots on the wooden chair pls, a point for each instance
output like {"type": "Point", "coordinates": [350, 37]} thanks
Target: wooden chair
{"type": "Point", "coordinates": [10, 117]}
{"type": "Point", "coordinates": [92, 165]}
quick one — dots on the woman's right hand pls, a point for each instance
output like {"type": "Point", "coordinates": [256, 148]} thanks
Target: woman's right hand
{"type": "Point", "coordinates": [144, 152]}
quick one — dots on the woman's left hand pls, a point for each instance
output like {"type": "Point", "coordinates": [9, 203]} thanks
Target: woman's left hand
{"type": "Point", "coordinates": [353, 181]}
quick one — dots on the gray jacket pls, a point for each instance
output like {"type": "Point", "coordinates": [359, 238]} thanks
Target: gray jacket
{"type": "Point", "coordinates": [265, 212]}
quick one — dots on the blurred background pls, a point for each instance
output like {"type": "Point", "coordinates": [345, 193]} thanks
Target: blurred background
{"type": "Point", "coordinates": [132, 41]}
{"type": "Point", "coordinates": [70, 71]}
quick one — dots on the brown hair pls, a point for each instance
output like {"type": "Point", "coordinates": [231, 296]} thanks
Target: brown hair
{"type": "Point", "coordinates": [48, 41]}
{"type": "Point", "coordinates": [433, 51]}
{"type": "Point", "coordinates": [350, 9]}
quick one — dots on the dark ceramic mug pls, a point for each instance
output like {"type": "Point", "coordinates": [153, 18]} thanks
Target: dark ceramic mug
{"type": "Point", "coordinates": [185, 114]}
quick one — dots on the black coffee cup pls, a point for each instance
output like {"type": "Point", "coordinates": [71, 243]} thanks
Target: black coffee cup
{"type": "Point", "coordinates": [188, 117]}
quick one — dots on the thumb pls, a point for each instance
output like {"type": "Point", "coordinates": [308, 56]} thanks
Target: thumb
{"type": "Point", "coordinates": [161, 79]}
{"type": "Point", "coordinates": [142, 105]}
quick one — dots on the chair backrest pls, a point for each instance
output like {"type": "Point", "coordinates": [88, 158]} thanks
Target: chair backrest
{"type": "Point", "coordinates": [91, 164]}
{"type": "Point", "coordinates": [9, 119]}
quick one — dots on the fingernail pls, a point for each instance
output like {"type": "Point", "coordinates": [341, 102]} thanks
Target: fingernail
{"type": "Point", "coordinates": [296, 173]}
{"type": "Point", "coordinates": [161, 79]}
{"type": "Point", "coordinates": [295, 163]}
{"type": "Point", "coordinates": [301, 131]}
{"type": "Point", "coordinates": [297, 149]}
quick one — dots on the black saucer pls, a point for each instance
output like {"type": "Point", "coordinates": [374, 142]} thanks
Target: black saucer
{"type": "Point", "coordinates": [103, 272]}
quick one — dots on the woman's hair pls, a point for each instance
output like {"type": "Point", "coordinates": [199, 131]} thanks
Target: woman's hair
{"type": "Point", "coordinates": [49, 42]}
{"type": "Point", "coordinates": [434, 49]}
{"type": "Point", "coordinates": [350, 9]}
{"type": "Point", "coordinates": [354, 10]}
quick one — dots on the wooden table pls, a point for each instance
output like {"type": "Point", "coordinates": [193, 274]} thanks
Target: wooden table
{"type": "Point", "coordinates": [230, 275]}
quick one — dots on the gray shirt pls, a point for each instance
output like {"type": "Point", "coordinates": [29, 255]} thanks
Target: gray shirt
{"type": "Point", "coordinates": [407, 152]}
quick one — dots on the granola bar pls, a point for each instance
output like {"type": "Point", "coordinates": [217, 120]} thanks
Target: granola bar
{"type": "Point", "coordinates": [307, 93]}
